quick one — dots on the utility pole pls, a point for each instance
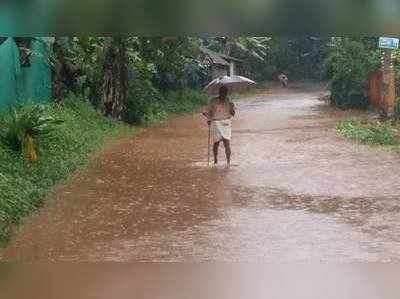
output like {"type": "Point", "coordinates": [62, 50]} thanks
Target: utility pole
{"type": "Point", "coordinates": [388, 99]}
{"type": "Point", "coordinates": [388, 84]}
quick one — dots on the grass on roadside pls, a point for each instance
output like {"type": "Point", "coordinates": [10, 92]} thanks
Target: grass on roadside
{"type": "Point", "coordinates": [374, 133]}
{"type": "Point", "coordinates": [147, 108]}
{"type": "Point", "coordinates": [23, 186]}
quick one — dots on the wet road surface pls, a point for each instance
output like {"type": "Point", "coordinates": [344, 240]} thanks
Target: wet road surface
{"type": "Point", "coordinates": [295, 192]}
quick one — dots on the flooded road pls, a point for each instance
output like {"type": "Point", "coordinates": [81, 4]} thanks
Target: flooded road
{"type": "Point", "coordinates": [295, 192]}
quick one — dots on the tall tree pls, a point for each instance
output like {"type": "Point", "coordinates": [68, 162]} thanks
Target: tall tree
{"type": "Point", "coordinates": [114, 85]}
{"type": "Point", "coordinates": [170, 56]}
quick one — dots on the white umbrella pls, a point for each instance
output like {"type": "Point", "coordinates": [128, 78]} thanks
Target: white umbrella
{"type": "Point", "coordinates": [233, 83]}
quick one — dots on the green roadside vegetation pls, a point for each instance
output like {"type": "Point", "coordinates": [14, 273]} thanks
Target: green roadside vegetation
{"type": "Point", "coordinates": [385, 133]}
{"type": "Point", "coordinates": [348, 64]}
{"type": "Point", "coordinates": [66, 148]}
{"type": "Point", "coordinates": [23, 185]}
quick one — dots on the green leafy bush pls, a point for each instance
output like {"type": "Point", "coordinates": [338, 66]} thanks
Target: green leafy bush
{"type": "Point", "coordinates": [141, 102]}
{"type": "Point", "coordinates": [381, 133]}
{"type": "Point", "coordinates": [21, 129]}
{"type": "Point", "coordinates": [65, 149]}
{"type": "Point", "coordinates": [349, 62]}
{"type": "Point", "coordinates": [347, 94]}
{"type": "Point", "coordinates": [183, 101]}
{"type": "Point", "coordinates": [145, 104]}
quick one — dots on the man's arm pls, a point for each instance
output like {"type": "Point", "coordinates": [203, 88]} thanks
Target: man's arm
{"type": "Point", "coordinates": [208, 112]}
{"type": "Point", "coordinates": [232, 108]}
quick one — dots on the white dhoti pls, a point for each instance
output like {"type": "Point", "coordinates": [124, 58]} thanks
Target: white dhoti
{"type": "Point", "coordinates": [221, 129]}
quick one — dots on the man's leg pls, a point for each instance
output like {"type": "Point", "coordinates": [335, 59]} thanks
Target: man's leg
{"type": "Point", "coordinates": [227, 145]}
{"type": "Point", "coordinates": [215, 150]}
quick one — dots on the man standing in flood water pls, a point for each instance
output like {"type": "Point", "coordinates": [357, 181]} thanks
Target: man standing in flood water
{"type": "Point", "coordinates": [220, 111]}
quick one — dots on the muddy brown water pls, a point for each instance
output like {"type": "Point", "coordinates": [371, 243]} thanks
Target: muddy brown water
{"type": "Point", "coordinates": [200, 280]}
{"type": "Point", "coordinates": [295, 192]}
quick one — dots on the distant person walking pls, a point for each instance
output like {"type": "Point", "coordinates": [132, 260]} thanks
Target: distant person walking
{"type": "Point", "coordinates": [219, 113]}
{"type": "Point", "coordinates": [284, 80]}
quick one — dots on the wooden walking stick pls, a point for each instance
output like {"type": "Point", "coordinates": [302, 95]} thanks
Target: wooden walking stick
{"type": "Point", "coordinates": [206, 114]}
{"type": "Point", "coordinates": [208, 145]}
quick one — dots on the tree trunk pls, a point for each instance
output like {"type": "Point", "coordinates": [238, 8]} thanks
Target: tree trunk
{"type": "Point", "coordinates": [58, 70]}
{"type": "Point", "coordinates": [115, 78]}
{"type": "Point", "coordinates": [64, 74]}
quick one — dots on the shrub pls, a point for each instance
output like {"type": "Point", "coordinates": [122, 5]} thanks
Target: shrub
{"type": "Point", "coordinates": [348, 65]}
{"type": "Point", "coordinates": [22, 129]}
{"type": "Point", "coordinates": [143, 102]}
{"type": "Point", "coordinates": [381, 133]}
{"type": "Point", "coordinates": [348, 94]}
{"type": "Point", "coordinates": [183, 101]}
{"type": "Point", "coordinates": [65, 149]}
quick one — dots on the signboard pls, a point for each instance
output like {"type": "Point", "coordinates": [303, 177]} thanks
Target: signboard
{"type": "Point", "coordinates": [388, 43]}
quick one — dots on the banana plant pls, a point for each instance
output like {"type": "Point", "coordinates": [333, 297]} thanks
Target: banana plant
{"type": "Point", "coordinates": [21, 130]}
